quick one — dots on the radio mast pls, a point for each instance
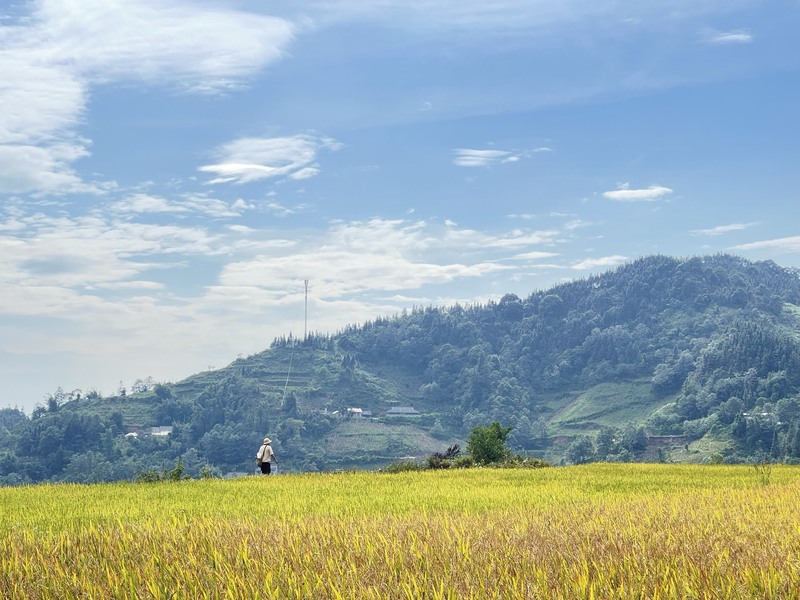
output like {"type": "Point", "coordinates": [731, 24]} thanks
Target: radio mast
{"type": "Point", "coordinates": [305, 319]}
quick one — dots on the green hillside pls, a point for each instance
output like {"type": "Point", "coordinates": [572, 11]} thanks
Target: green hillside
{"type": "Point", "coordinates": [608, 403]}
{"type": "Point", "coordinates": [682, 360]}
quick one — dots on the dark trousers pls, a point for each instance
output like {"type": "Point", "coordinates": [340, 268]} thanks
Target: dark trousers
{"type": "Point", "coordinates": [266, 468]}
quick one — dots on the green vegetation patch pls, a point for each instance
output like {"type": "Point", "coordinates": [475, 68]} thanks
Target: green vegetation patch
{"type": "Point", "coordinates": [358, 437]}
{"type": "Point", "coordinates": [612, 403]}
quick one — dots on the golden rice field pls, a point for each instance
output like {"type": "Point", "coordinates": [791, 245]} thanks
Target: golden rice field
{"type": "Point", "coordinates": [596, 531]}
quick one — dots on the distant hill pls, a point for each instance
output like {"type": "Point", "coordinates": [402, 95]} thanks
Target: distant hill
{"type": "Point", "coordinates": [664, 359]}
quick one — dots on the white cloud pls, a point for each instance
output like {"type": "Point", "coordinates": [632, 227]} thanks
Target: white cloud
{"type": "Point", "coordinates": [519, 238]}
{"type": "Point", "coordinates": [534, 255]}
{"type": "Point", "coordinates": [97, 252]}
{"type": "Point", "coordinates": [196, 46]}
{"type": "Point", "coordinates": [475, 240]}
{"type": "Point", "coordinates": [50, 60]}
{"type": "Point", "coordinates": [469, 157]}
{"type": "Point", "coordinates": [143, 203]}
{"type": "Point", "coordinates": [30, 168]}
{"type": "Point", "coordinates": [40, 101]}
{"type": "Point", "coordinates": [241, 204]}
{"type": "Point", "coordinates": [305, 173]}
{"type": "Point", "coordinates": [12, 225]}
{"type": "Point", "coordinates": [132, 285]}
{"type": "Point", "coordinates": [90, 251]}
{"type": "Point", "coordinates": [723, 229]}
{"type": "Point", "coordinates": [359, 257]}
{"type": "Point", "coordinates": [357, 260]}
{"type": "Point", "coordinates": [250, 159]}
{"type": "Point", "coordinates": [281, 210]}
{"type": "Point", "coordinates": [649, 194]}
{"type": "Point", "coordinates": [42, 106]}
{"type": "Point", "coordinates": [213, 207]}
{"type": "Point", "coordinates": [604, 262]}
{"type": "Point", "coordinates": [243, 229]}
{"type": "Point", "coordinates": [576, 224]}
{"type": "Point", "coordinates": [787, 244]}
{"type": "Point", "coordinates": [196, 203]}
{"type": "Point", "coordinates": [341, 272]}
{"type": "Point", "coordinates": [466, 157]}
{"type": "Point", "coordinates": [730, 37]}
{"type": "Point", "coordinates": [380, 255]}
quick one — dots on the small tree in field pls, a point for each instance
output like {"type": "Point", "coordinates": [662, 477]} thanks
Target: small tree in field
{"type": "Point", "coordinates": [488, 444]}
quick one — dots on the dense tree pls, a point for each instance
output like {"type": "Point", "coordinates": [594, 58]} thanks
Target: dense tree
{"type": "Point", "coordinates": [580, 451]}
{"type": "Point", "coordinates": [488, 444]}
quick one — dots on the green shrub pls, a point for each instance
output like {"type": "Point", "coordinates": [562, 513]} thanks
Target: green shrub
{"type": "Point", "coordinates": [152, 476]}
{"type": "Point", "coordinates": [463, 462]}
{"type": "Point", "coordinates": [402, 466]}
{"type": "Point", "coordinates": [149, 476]}
{"type": "Point", "coordinates": [206, 472]}
{"type": "Point", "coordinates": [523, 462]}
{"type": "Point", "coordinates": [444, 460]}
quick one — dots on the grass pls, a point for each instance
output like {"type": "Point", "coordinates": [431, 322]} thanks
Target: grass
{"type": "Point", "coordinates": [136, 409]}
{"type": "Point", "coordinates": [611, 403]}
{"type": "Point", "coordinates": [713, 442]}
{"type": "Point", "coordinates": [595, 531]}
{"type": "Point", "coordinates": [389, 441]}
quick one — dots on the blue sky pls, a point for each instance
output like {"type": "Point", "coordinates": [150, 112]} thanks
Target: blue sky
{"type": "Point", "coordinates": [171, 172]}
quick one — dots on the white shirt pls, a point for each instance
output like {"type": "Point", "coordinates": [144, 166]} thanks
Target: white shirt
{"type": "Point", "coordinates": [265, 453]}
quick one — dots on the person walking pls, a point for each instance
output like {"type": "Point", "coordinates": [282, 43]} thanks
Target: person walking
{"type": "Point", "coordinates": [266, 456]}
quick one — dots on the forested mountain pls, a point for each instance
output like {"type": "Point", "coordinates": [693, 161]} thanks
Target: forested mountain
{"type": "Point", "coordinates": [661, 359]}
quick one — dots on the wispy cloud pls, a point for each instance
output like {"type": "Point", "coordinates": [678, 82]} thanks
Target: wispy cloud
{"type": "Point", "coordinates": [604, 262]}
{"type": "Point", "coordinates": [132, 285]}
{"type": "Point", "coordinates": [536, 255]}
{"type": "Point", "coordinates": [787, 244]}
{"type": "Point", "coordinates": [649, 194]}
{"type": "Point", "coordinates": [111, 250]}
{"type": "Point", "coordinates": [466, 157]}
{"type": "Point", "coordinates": [280, 210]}
{"type": "Point", "coordinates": [187, 203]}
{"type": "Point", "coordinates": [576, 224]}
{"type": "Point", "coordinates": [374, 256]}
{"type": "Point", "coordinates": [723, 229]}
{"type": "Point", "coordinates": [92, 250]}
{"type": "Point", "coordinates": [252, 159]}
{"type": "Point", "coordinates": [497, 16]}
{"type": "Point", "coordinates": [478, 240]}
{"type": "Point", "coordinates": [144, 203]}
{"type": "Point", "coordinates": [738, 36]}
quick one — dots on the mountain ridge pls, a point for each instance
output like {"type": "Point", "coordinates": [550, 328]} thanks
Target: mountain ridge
{"type": "Point", "coordinates": [585, 370]}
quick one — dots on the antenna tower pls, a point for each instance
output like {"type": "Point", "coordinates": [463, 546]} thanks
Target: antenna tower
{"type": "Point", "coordinates": [305, 318]}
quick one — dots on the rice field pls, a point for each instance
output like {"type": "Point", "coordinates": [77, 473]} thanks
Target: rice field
{"type": "Point", "coordinates": [595, 531]}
